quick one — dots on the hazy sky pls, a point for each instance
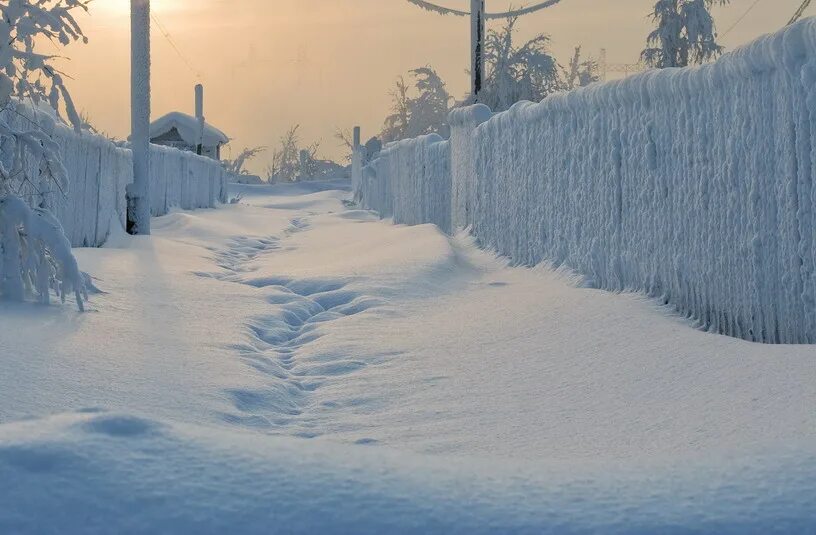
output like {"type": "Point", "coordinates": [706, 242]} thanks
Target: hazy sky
{"type": "Point", "coordinates": [269, 64]}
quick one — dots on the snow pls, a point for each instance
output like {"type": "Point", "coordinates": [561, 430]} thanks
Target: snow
{"type": "Point", "coordinates": [632, 185]}
{"type": "Point", "coordinates": [189, 128]}
{"type": "Point", "coordinates": [291, 364]}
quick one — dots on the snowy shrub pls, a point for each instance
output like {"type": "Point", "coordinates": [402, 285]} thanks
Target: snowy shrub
{"type": "Point", "coordinates": [693, 186]}
{"type": "Point", "coordinates": [285, 165]}
{"type": "Point", "coordinates": [35, 254]}
{"type": "Point", "coordinates": [425, 112]}
{"type": "Point", "coordinates": [293, 163]}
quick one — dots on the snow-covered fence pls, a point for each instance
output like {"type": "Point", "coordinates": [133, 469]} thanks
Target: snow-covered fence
{"type": "Point", "coordinates": [420, 187]}
{"type": "Point", "coordinates": [463, 151]}
{"type": "Point", "coordinates": [694, 186]}
{"type": "Point", "coordinates": [99, 171]}
{"type": "Point", "coordinates": [185, 180]}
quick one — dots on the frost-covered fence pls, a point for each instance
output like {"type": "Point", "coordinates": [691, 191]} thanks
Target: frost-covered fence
{"type": "Point", "coordinates": [185, 180]}
{"type": "Point", "coordinates": [99, 171]}
{"type": "Point", "coordinates": [420, 187]}
{"type": "Point", "coordinates": [694, 186]}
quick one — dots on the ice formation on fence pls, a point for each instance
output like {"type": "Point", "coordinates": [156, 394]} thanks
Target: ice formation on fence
{"type": "Point", "coordinates": [98, 172]}
{"type": "Point", "coordinates": [694, 186]}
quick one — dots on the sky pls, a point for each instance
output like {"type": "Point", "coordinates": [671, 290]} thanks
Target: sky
{"type": "Point", "coordinates": [325, 64]}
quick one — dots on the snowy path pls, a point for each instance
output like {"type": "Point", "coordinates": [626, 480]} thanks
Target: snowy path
{"type": "Point", "coordinates": [291, 365]}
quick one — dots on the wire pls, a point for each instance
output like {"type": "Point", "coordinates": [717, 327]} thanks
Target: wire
{"type": "Point", "coordinates": [170, 40]}
{"type": "Point", "coordinates": [799, 12]}
{"type": "Point", "coordinates": [521, 11]}
{"type": "Point", "coordinates": [505, 15]}
{"type": "Point", "coordinates": [750, 8]}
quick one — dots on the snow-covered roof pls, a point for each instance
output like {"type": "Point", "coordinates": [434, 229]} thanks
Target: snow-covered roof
{"type": "Point", "coordinates": [187, 127]}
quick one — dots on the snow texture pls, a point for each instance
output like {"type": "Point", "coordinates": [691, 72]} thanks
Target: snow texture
{"type": "Point", "coordinates": [694, 186]}
{"type": "Point", "coordinates": [108, 472]}
{"type": "Point", "coordinates": [189, 129]}
{"type": "Point", "coordinates": [98, 173]}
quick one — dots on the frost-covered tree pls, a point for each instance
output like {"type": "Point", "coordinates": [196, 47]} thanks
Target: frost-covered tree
{"type": "Point", "coordinates": [237, 165]}
{"type": "Point", "coordinates": [291, 161]}
{"type": "Point", "coordinates": [581, 72]}
{"type": "Point", "coordinates": [685, 34]}
{"type": "Point", "coordinates": [285, 158]}
{"type": "Point", "coordinates": [35, 256]}
{"type": "Point", "coordinates": [424, 112]}
{"type": "Point", "coordinates": [514, 73]}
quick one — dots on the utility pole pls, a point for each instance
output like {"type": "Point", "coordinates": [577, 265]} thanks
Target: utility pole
{"type": "Point", "coordinates": [138, 193]}
{"type": "Point", "coordinates": [478, 16]}
{"type": "Point", "coordinates": [477, 41]}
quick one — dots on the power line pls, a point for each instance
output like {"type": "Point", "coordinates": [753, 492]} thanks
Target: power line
{"type": "Point", "coordinates": [799, 12]}
{"type": "Point", "coordinates": [170, 40]}
{"type": "Point", "coordinates": [748, 11]}
{"type": "Point", "coordinates": [505, 15]}
{"type": "Point", "coordinates": [521, 11]}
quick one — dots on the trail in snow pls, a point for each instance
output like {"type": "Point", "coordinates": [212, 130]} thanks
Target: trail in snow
{"type": "Point", "coordinates": [489, 398]}
{"type": "Point", "coordinates": [298, 310]}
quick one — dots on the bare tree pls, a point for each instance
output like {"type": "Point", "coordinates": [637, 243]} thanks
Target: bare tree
{"type": "Point", "coordinates": [285, 164]}
{"type": "Point", "coordinates": [581, 71]}
{"type": "Point", "coordinates": [237, 166]}
{"type": "Point", "coordinates": [346, 140]}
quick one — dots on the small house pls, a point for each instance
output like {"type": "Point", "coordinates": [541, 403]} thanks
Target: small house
{"type": "Point", "coordinates": [188, 133]}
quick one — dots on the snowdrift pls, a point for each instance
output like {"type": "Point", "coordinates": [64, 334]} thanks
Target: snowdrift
{"type": "Point", "coordinates": [99, 171]}
{"type": "Point", "coordinates": [694, 186]}
{"type": "Point", "coordinates": [97, 472]}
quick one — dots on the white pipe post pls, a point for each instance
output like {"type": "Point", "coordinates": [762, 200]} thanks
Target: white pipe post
{"type": "Point", "coordinates": [356, 164]}
{"type": "Point", "coordinates": [139, 190]}
{"type": "Point", "coordinates": [304, 162]}
{"type": "Point", "coordinates": [199, 111]}
{"type": "Point", "coordinates": [477, 39]}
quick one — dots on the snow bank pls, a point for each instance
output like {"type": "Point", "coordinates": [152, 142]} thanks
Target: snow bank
{"type": "Point", "coordinates": [99, 171]}
{"type": "Point", "coordinates": [693, 185]}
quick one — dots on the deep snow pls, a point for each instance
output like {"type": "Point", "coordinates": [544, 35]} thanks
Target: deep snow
{"type": "Point", "coordinates": [289, 364]}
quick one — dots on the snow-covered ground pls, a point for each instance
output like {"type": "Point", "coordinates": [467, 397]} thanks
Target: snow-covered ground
{"type": "Point", "coordinates": [289, 364]}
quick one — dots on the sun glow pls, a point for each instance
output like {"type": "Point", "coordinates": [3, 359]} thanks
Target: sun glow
{"type": "Point", "coordinates": [122, 7]}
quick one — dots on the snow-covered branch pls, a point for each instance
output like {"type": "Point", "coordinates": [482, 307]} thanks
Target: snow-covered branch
{"type": "Point", "coordinates": [439, 9]}
{"type": "Point", "coordinates": [35, 255]}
